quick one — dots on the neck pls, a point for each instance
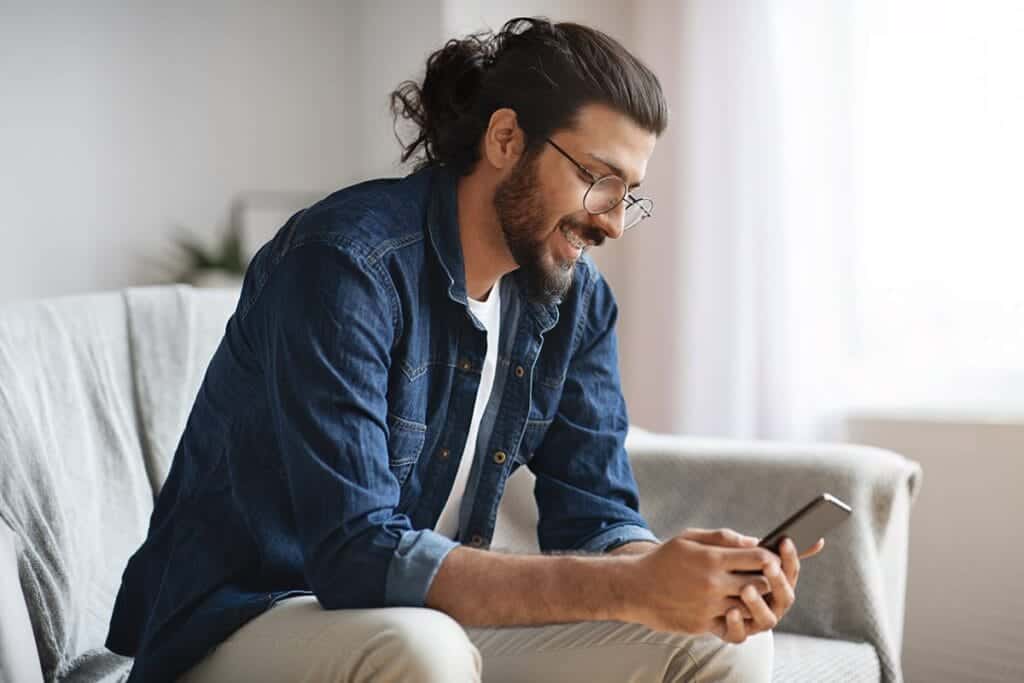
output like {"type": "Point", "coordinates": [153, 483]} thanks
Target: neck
{"type": "Point", "coordinates": [484, 252]}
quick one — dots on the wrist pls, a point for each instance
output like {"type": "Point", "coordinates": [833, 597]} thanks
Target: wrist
{"type": "Point", "coordinates": [625, 587]}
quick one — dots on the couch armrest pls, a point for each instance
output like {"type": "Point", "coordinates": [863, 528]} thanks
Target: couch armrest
{"type": "Point", "coordinates": [853, 590]}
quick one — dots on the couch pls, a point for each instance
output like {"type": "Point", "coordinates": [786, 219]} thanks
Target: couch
{"type": "Point", "coordinates": [94, 393]}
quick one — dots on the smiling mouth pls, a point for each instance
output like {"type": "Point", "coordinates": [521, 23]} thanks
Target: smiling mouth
{"type": "Point", "coordinates": [573, 239]}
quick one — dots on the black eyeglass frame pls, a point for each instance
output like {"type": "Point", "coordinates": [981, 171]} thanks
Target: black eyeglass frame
{"type": "Point", "coordinates": [627, 196]}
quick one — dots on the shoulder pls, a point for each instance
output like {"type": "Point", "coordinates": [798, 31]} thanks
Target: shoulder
{"type": "Point", "coordinates": [370, 219]}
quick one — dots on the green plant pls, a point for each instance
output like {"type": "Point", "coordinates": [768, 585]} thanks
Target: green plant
{"type": "Point", "coordinates": [196, 258]}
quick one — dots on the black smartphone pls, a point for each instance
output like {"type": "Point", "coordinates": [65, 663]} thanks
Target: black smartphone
{"type": "Point", "coordinates": [808, 524]}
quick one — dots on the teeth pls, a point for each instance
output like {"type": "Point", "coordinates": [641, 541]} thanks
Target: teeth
{"type": "Point", "coordinates": [573, 239]}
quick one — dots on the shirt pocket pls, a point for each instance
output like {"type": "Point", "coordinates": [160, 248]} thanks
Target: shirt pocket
{"type": "Point", "coordinates": [405, 443]}
{"type": "Point", "coordinates": [545, 396]}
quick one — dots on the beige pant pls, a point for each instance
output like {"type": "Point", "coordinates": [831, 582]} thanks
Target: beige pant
{"type": "Point", "coordinates": [297, 640]}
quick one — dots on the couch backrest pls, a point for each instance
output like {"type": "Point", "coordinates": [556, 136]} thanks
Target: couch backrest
{"type": "Point", "coordinates": [73, 485]}
{"type": "Point", "coordinates": [173, 332]}
{"type": "Point", "coordinates": [94, 394]}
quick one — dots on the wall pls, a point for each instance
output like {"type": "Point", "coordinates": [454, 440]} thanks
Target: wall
{"type": "Point", "coordinates": [963, 611]}
{"type": "Point", "coordinates": [123, 121]}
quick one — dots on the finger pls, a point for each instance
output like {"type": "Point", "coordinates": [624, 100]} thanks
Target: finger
{"type": "Point", "coordinates": [734, 583]}
{"type": "Point", "coordinates": [782, 597]}
{"type": "Point", "coordinates": [735, 629]}
{"type": "Point", "coordinates": [727, 604]}
{"type": "Point", "coordinates": [814, 549]}
{"type": "Point", "coordinates": [764, 618]}
{"type": "Point", "coordinates": [747, 559]}
{"type": "Point", "coordinates": [718, 626]}
{"type": "Point", "coordinates": [790, 561]}
{"type": "Point", "coordinates": [727, 538]}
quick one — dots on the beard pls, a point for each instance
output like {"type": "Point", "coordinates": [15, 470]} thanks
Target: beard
{"type": "Point", "coordinates": [520, 211]}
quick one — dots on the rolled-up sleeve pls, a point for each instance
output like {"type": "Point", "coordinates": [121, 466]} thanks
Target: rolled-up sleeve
{"type": "Point", "coordinates": [586, 494]}
{"type": "Point", "coordinates": [327, 321]}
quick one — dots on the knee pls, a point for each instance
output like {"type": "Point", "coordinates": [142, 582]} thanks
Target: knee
{"type": "Point", "coordinates": [425, 645]}
{"type": "Point", "coordinates": [706, 658]}
{"type": "Point", "coordinates": [751, 660]}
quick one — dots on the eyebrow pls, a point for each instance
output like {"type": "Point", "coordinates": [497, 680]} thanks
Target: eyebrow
{"type": "Point", "coordinates": [614, 169]}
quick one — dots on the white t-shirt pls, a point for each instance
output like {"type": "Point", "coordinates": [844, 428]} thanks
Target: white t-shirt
{"type": "Point", "coordinates": [489, 314]}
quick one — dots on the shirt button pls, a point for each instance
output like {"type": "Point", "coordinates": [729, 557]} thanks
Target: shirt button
{"type": "Point", "coordinates": [464, 364]}
{"type": "Point", "coordinates": [519, 371]}
{"type": "Point", "coordinates": [476, 541]}
{"type": "Point", "coordinates": [499, 457]}
{"type": "Point", "coordinates": [444, 453]}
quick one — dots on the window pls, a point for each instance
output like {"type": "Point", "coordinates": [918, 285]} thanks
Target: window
{"type": "Point", "coordinates": [939, 191]}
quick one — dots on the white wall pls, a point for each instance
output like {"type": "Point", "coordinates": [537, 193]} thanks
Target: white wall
{"type": "Point", "coordinates": [121, 121]}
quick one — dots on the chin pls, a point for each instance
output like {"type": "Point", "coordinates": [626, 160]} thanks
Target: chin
{"type": "Point", "coordinates": [549, 283]}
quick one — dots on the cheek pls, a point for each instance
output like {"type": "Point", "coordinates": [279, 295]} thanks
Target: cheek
{"type": "Point", "coordinates": [564, 205]}
{"type": "Point", "coordinates": [569, 200]}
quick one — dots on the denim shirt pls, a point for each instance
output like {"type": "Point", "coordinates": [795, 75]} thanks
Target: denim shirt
{"type": "Point", "coordinates": [326, 435]}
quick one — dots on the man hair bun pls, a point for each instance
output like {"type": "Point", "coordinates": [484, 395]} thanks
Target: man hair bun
{"type": "Point", "coordinates": [543, 71]}
{"type": "Point", "coordinates": [443, 107]}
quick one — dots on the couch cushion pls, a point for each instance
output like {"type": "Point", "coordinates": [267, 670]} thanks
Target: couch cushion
{"type": "Point", "coordinates": [73, 487]}
{"type": "Point", "coordinates": [805, 659]}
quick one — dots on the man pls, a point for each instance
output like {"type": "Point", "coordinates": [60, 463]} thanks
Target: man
{"type": "Point", "coordinates": [397, 351]}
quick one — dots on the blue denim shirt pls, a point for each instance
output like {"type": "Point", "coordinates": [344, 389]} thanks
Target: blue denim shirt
{"type": "Point", "coordinates": [327, 432]}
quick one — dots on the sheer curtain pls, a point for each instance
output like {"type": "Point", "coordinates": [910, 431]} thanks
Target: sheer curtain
{"type": "Point", "coordinates": [736, 299]}
{"type": "Point", "coordinates": [940, 223]}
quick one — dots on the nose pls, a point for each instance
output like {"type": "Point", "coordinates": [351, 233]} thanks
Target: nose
{"type": "Point", "coordinates": [611, 223]}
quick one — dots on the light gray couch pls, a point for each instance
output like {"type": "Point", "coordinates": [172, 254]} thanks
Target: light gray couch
{"type": "Point", "coordinates": [94, 393]}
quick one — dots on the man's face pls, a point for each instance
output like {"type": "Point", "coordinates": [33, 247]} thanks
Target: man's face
{"type": "Point", "coordinates": [540, 203]}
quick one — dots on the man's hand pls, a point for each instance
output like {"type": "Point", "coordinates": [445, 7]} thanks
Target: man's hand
{"type": "Point", "coordinates": [689, 583]}
{"type": "Point", "coordinates": [766, 611]}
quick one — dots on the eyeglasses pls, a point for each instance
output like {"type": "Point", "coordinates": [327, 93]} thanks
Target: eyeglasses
{"type": "Point", "coordinates": [607, 192]}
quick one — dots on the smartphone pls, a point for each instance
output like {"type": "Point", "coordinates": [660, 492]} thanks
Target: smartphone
{"type": "Point", "coordinates": [808, 524]}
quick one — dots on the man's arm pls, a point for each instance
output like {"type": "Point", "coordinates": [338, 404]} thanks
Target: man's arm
{"type": "Point", "coordinates": [685, 584]}
{"type": "Point", "coordinates": [485, 588]}
{"type": "Point", "coordinates": [323, 325]}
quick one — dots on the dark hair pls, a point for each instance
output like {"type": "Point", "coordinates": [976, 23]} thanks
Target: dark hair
{"type": "Point", "coordinates": [543, 71]}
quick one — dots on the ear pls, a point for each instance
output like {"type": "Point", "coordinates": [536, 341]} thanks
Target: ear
{"type": "Point", "coordinates": [504, 140]}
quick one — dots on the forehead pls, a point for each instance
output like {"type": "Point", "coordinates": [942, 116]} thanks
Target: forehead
{"type": "Point", "coordinates": [601, 133]}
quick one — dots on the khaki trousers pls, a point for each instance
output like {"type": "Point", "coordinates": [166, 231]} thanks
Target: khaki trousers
{"type": "Point", "coordinates": [297, 640]}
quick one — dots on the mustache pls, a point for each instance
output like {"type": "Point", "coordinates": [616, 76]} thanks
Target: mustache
{"type": "Point", "coordinates": [587, 232]}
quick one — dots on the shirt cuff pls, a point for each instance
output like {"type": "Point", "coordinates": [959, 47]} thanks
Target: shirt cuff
{"type": "Point", "coordinates": [609, 539]}
{"type": "Point", "coordinates": [413, 566]}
